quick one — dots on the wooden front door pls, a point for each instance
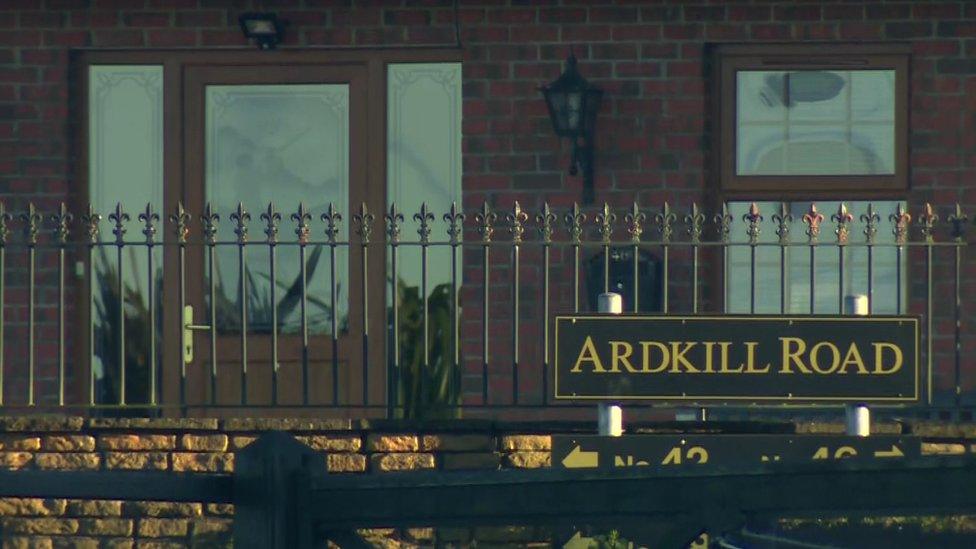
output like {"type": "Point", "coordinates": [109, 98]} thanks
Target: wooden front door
{"type": "Point", "coordinates": [284, 135]}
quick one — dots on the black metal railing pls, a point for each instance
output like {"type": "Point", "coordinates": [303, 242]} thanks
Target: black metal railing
{"type": "Point", "coordinates": [480, 338]}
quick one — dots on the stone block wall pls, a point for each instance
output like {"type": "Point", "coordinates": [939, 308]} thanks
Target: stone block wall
{"type": "Point", "coordinates": [350, 447]}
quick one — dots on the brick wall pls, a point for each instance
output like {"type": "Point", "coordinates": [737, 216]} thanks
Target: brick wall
{"type": "Point", "coordinates": [349, 447]}
{"type": "Point", "coordinates": [651, 60]}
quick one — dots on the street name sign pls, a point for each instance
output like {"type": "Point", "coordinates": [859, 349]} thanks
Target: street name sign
{"type": "Point", "coordinates": [671, 451]}
{"type": "Point", "coordinates": [738, 359]}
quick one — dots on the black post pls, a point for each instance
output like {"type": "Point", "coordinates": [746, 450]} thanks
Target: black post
{"type": "Point", "coordinates": [268, 493]}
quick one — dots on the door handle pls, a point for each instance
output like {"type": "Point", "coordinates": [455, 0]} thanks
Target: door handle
{"type": "Point", "coordinates": [188, 328]}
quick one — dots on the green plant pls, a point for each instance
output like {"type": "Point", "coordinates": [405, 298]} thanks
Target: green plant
{"type": "Point", "coordinates": [432, 392]}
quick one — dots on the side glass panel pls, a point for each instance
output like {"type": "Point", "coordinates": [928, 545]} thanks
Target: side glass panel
{"type": "Point", "coordinates": [125, 137]}
{"type": "Point", "coordinates": [815, 122]}
{"type": "Point", "coordinates": [285, 144]}
{"type": "Point", "coordinates": [826, 268]}
{"type": "Point", "coordinates": [424, 166]}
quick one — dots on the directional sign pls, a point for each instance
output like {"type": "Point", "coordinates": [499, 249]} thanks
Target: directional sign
{"type": "Point", "coordinates": [669, 451]}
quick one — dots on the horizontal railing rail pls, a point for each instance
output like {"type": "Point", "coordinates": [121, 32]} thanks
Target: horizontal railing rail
{"type": "Point", "coordinates": [466, 314]}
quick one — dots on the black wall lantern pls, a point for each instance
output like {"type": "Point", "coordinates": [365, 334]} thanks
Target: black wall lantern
{"type": "Point", "coordinates": [264, 28]}
{"type": "Point", "coordinates": [573, 104]}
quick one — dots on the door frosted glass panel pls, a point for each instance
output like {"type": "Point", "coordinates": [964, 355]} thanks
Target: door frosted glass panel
{"type": "Point", "coordinates": [827, 272]}
{"type": "Point", "coordinates": [125, 154]}
{"type": "Point", "coordinates": [285, 144]}
{"type": "Point", "coordinates": [424, 156]}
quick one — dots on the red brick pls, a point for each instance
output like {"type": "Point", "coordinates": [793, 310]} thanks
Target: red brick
{"type": "Point", "coordinates": [585, 33]}
{"type": "Point", "coordinates": [172, 38]}
{"type": "Point", "coordinates": [845, 12]}
{"type": "Point", "coordinates": [40, 19]}
{"type": "Point", "coordinates": [888, 12]}
{"type": "Point", "coordinates": [613, 15]}
{"type": "Point", "coordinates": [750, 13]}
{"type": "Point", "coordinates": [94, 19]}
{"type": "Point", "coordinates": [682, 32]}
{"type": "Point", "coordinates": [796, 13]}
{"type": "Point", "coordinates": [406, 17]}
{"type": "Point", "coordinates": [770, 32]}
{"type": "Point", "coordinates": [328, 37]}
{"type": "Point", "coordinates": [512, 15]}
{"type": "Point", "coordinates": [860, 31]}
{"type": "Point", "coordinates": [562, 15]}
{"type": "Point", "coordinates": [355, 17]}
{"type": "Point", "coordinates": [147, 19]}
{"type": "Point", "coordinates": [222, 38]}
{"type": "Point", "coordinates": [704, 13]}
{"type": "Point", "coordinates": [815, 31]}
{"type": "Point", "coordinates": [535, 33]}
{"type": "Point", "coordinates": [935, 48]}
{"type": "Point", "coordinates": [201, 18]}
{"type": "Point", "coordinates": [637, 32]}
{"type": "Point", "coordinates": [936, 10]}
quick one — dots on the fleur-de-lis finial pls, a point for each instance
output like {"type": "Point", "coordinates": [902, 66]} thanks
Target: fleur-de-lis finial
{"type": "Point", "coordinates": [301, 219]}
{"type": "Point", "coordinates": [724, 221]}
{"type": "Point", "coordinates": [695, 220]}
{"type": "Point", "coordinates": [364, 223]}
{"type": "Point", "coordinates": [332, 218]}
{"type": "Point", "coordinates": [210, 220]}
{"type": "Point", "coordinates": [545, 219]}
{"type": "Point", "coordinates": [901, 218]}
{"type": "Point", "coordinates": [240, 217]}
{"type": "Point", "coordinates": [635, 222]}
{"type": "Point", "coordinates": [574, 222]}
{"type": "Point", "coordinates": [783, 219]}
{"type": "Point", "coordinates": [870, 220]}
{"type": "Point", "coordinates": [927, 220]}
{"type": "Point", "coordinates": [272, 219]}
{"type": "Point", "coordinates": [91, 220]}
{"type": "Point", "coordinates": [182, 220]}
{"type": "Point", "coordinates": [485, 220]}
{"type": "Point", "coordinates": [843, 219]}
{"type": "Point", "coordinates": [516, 222]}
{"type": "Point", "coordinates": [455, 223]}
{"type": "Point", "coordinates": [119, 217]}
{"type": "Point", "coordinates": [424, 217]}
{"type": "Point", "coordinates": [149, 219]}
{"type": "Point", "coordinates": [393, 219]}
{"type": "Point", "coordinates": [665, 219]}
{"type": "Point", "coordinates": [754, 218]}
{"type": "Point", "coordinates": [5, 218]}
{"type": "Point", "coordinates": [604, 222]}
{"type": "Point", "coordinates": [958, 219]}
{"type": "Point", "coordinates": [813, 219]}
{"type": "Point", "coordinates": [61, 220]}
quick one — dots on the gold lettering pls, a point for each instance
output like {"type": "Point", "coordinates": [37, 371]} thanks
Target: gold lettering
{"type": "Point", "coordinates": [724, 367]}
{"type": "Point", "coordinates": [815, 357]}
{"type": "Point", "coordinates": [879, 368]}
{"type": "Point", "coordinates": [646, 351]}
{"type": "Point", "coordinates": [794, 356]}
{"type": "Point", "coordinates": [588, 354]}
{"type": "Point", "coordinates": [679, 356]}
{"type": "Point", "coordinates": [853, 357]}
{"type": "Point", "coordinates": [751, 359]}
{"type": "Point", "coordinates": [617, 358]}
{"type": "Point", "coordinates": [708, 356]}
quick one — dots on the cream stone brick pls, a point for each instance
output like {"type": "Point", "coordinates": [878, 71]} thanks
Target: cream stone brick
{"type": "Point", "coordinates": [239, 442]}
{"type": "Point", "coordinates": [117, 442]}
{"type": "Point", "coordinates": [118, 544]}
{"type": "Point", "coordinates": [203, 462]}
{"type": "Point", "coordinates": [392, 443]}
{"type": "Point", "coordinates": [20, 443]}
{"type": "Point", "coordinates": [528, 460]}
{"type": "Point", "coordinates": [137, 460]}
{"type": "Point", "coordinates": [325, 443]}
{"type": "Point", "coordinates": [346, 463]}
{"type": "Point", "coordinates": [204, 443]}
{"type": "Point", "coordinates": [105, 526]}
{"type": "Point", "coordinates": [161, 509]}
{"type": "Point", "coordinates": [159, 544]}
{"type": "Point", "coordinates": [526, 442]}
{"type": "Point", "coordinates": [67, 461]}
{"type": "Point", "coordinates": [220, 509]}
{"type": "Point", "coordinates": [75, 542]}
{"type": "Point", "coordinates": [163, 527]}
{"type": "Point", "coordinates": [15, 460]}
{"type": "Point", "coordinates": [24, 542]}
{"type": "Point", "coordinates": [405, 461]}
{"type": "Point", "coordinates": [93, 508]}
{"type": "Point", "coordinates": [32, 507]}
{"type": "Point", "coordinates": [68, 443]}
{"type": "Point", "coordinates": [931, 448]}
{"type": "Point", "coordinates": [39, 525]}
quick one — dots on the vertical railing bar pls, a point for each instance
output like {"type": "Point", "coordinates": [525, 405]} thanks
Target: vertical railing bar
{"type": "Point", "coordinates": [840, 280]}
{"type": "Point", "coordinates": [898, 289]}
{"type": "Point", "coordinates": [365, 221]}
{"type": "Point", "coordinates": [901, 218]}
{"type": "Point", "coordinates": [870, 275]}
{"type": "Point", "coordinates": [5, 219]}
{"type": "Point", "coordinates": [120, 217]}
{"type": "Point", "coordinates": [813, 219]}
{"type": "Point", "coordinates": [91, 221]}
{"type": "Point", "coordinates": [724, 222]}
{"type": "Point", "coordinates": [181, 218]}
{"type": "Point", "coordinates": [635, 227]}
{"type": "Point", "coordinates": [516, 220]}
{"type": "Point", "coordinates": [303, 273]}
{"type": "Point", "coordinates": [813, 276]}
{"type": "Point", "coordinates": [210, 220]}
{"type": "Point", "coordinates": [272, 218]}
{"type": "Point", "coordinates": [664, 220]}
{"type": "Point", "coordinates": [843, 219]}
{"type": "Point", "coordinates": [333, 218]}
{"type": "Point", "coordinates": [61, 221]}
{"type": "Point", "coordinates": [576, 278]}
{"type": "Point", "coordinates": [754, 218]}
{"type": "Point", "coordinates": [149, 231]}
{"type": "Point", "coordinates": [694, 278]}
{"type": "Point", "coordinates": [545, 220]}
{"type": "Point", "coordinates": [958, 220]}
{"type": "Point", "coordinates": [485, 219]}
{"type": "Point", "coordinates": [752, 279]}
{"type": "Point", "coordinates": [927, 219]}
{"type": "Point", "coordinates": [424, 218]}
{"type": "Point", "coordinates": [574, 222]}
{"type": "Point", "coordinates": [394, 220]}
{"type": "Point", "coordinates": [455, 220]}
{"type": "Point", "coordinates": [783, 220]}
{"type": "Point", "coordinates": [32, 218]}
{"type": "Point", "coordinates": [241, 217]}
{"type": "Point", "coordinates": [665, 301]}
{"type": "Point", "coordinates": [604, 221]}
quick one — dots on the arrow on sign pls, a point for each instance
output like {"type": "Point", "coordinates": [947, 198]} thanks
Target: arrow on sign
{"type": "Point", "coordinates": [895, 452]}
{"type": "Point", "coordinates": [577, 458]}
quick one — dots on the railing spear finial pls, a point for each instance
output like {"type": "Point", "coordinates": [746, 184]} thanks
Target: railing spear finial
{"type": "Point", "coordinates": [272, 220]}
{"type": "Point", "coordinates": [302, 218]}
{"type": "Point", "coordinates": [635, 222]}
{"type": "Point", "coordinates": [927, 220]}
{"type": "Point", "coordinates": [119, 217]}
{"type": "Point", "coordinates": [182, 220]}
{"type": "Point", "coordinates": [149, 219]}
{"type": "Point", "coordinates": [871, 220]}
{"type": "Point", "coordinates": [783, 219]}
{"type": "Point", "coordinates": [695, 220]}
{"type": "Point", "coordinates": [424, 217]}
{"type": "Point", "coordinates": [241, 218]}
{"type": "Point", "coordinates": [394, 220]}
{"type": "Point", "coordinates": [485, 220]}
{"type": "Point", "coordinates": [843, 219]}
{"type": "Point", "coordinates": [332, 218]}
{"type": "Point", "coordinates": [61, 220]}
{"type": "Point", "coordinates": [516, 222]}
{"type": "Point", "coordinates": [455, 220]}
{"type": "Point", "coordinates": [959, 220]}
{"type": "Point", "coordinates": [813, 219]}
{"type": "Point", "coordinates": [901, 218]}
{"type": "Point", "coordinates": [754, 218]}
{"type": "Point", "coordinates": [574, 222]}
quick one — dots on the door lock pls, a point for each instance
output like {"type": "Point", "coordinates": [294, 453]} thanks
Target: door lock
{"type": "Point", "coordinates": [188, 328]}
